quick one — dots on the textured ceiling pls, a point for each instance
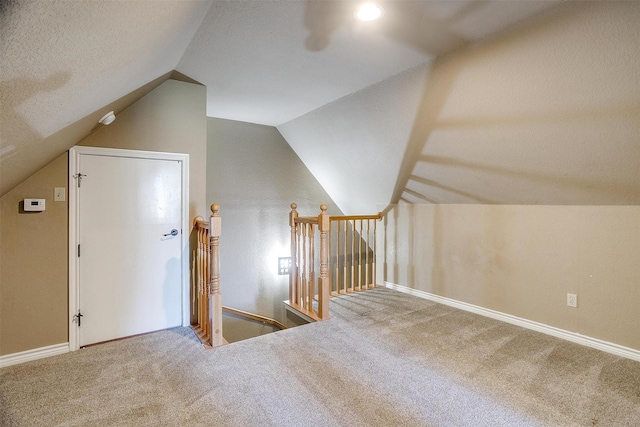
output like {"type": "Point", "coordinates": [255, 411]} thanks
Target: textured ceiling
{"type": "Point", "coordinates": [358, 89]}
{"type": "Point", "coordinates": [64, 60]}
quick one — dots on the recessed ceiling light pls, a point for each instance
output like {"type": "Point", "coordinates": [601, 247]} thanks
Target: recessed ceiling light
{"type": "Point", "coordinates": [369, 12]}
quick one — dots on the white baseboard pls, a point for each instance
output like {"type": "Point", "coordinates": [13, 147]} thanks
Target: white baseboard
{"type": "Point", "coordinates": [608, 347]}
{"type": "Point", "coordinates": [35, 354]}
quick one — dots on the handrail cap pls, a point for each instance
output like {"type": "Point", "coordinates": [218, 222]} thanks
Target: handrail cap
{"type": "Point", "coordinates": [294, 206]}
{"type": "Point", "coordinates": [215, 208]}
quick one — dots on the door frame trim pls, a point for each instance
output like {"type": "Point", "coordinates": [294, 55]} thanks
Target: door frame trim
{"type": "Point", "coordinates": [74, 282]}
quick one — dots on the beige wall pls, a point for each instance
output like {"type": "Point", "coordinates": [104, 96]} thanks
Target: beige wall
{"type": "Point", "coordinates": [534, 136]}
{"type": "Point", "coordinates": [33, 264]}
{"type": "Point", "coordinates": [523, 260]}
{"type": "Point", "coordinates": [255, 176]}
{"type": "Point", "coordinates": [171, 118]}
{"type": "Point", "coordinates": [34, 279]}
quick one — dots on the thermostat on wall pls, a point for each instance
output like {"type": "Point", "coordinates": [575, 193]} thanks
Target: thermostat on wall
{"type": "Point", "coordinates": [33, 205]}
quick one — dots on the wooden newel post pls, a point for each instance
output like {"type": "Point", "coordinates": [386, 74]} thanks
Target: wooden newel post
{"type": "Point", "coordinates": [324, 226]}
{"type": "Point", "coordinates": [293, 271]}
{"type": "Point", "coordinates": [215, 297]}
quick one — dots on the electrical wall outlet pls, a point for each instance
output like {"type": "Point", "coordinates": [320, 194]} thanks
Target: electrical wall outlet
{"type": "Point", "coordinates": [572, 300]}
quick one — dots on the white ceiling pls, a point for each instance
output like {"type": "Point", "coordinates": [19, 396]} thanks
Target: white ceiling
{"type": "Point", "coordinates": [311, 70]}
{"type": "Point", "coordinates": [269, 62]}
{"type": "Point", "coordinates": [262, 61]}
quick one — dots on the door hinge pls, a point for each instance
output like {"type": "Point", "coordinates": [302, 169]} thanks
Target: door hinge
{"type": "Point", "coordinates": [78, 251]}
{"type": "Point", "coordinates": [78, 318]}
{"type": "Point", "coordinates": [78, 177]}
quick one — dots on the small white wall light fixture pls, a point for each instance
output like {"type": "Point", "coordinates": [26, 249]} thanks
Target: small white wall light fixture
{"type": "Point", "coordinates": [108, 118]}
{"type": "Point", "coordinates": [368, 12]}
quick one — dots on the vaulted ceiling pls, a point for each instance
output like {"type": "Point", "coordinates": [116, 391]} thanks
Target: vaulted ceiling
{"type": "Point", "coordinates": [380, 112]}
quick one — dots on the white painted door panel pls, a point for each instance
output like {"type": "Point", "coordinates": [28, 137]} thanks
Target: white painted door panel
{"type": "Point", "coordinates": [129, 271]}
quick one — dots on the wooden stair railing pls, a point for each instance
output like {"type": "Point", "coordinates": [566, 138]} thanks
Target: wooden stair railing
{"type": "Point", "coordinates": [354, 260]}
{"type": "Point", "coordinates": [207, 272]}
{"type": "Point", "coordinates": [347, 266]}
{"type": "Point", "coordinates": [255, 317]}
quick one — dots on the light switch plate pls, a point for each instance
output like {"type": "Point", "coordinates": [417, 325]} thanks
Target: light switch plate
{"type": "Point", "coordinates": [59, 194]}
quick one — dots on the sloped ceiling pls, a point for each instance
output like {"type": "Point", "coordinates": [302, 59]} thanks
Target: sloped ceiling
{"type": "Point", "coordinates": [269, 62]}
{"type": "Point", "coordinates": [546, 113]}
{"type": "Point", "coordinates": [63, 61]}
{"type": "Point", "coordinates": [419, 107]}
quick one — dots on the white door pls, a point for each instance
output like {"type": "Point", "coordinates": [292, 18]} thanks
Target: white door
{"type": "Point", "coordinates": [129, 266]}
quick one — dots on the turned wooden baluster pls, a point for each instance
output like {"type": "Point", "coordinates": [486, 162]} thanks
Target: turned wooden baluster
{"type": "Point", "coordinates": [353, 255]}
{"type": "Point", "coordinates": [345, 263]}
{"type": "Point", "coordinates": [366, 256]}
{"type": "Point", "coordinates": [215, 297]}
{"type": "Point", "coordinates": [301, 265]}
{"type": "Point", "coordinates": [304, 278]}
{"type": "Point", "coordinates": [293, 271]}
{"type": "Point", "coordinates": [374, 255]}
{"type": "Point", "coordinates": [324, 286]}
{"type": "Point", "coordinates": [312, 273]}
{"type": "Point", "coordinates": [203, 278]}
{"type": "Point", "coordinates": [206, 275]}
{"type": "Point", "coordinates": [337, 276]}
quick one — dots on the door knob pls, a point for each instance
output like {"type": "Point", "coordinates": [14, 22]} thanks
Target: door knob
{"type": "Point", "coordinates": [173, 232]}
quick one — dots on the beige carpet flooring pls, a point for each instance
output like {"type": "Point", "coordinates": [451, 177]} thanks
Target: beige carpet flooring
{"type": "Point", "coordinates": [384, 359]}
